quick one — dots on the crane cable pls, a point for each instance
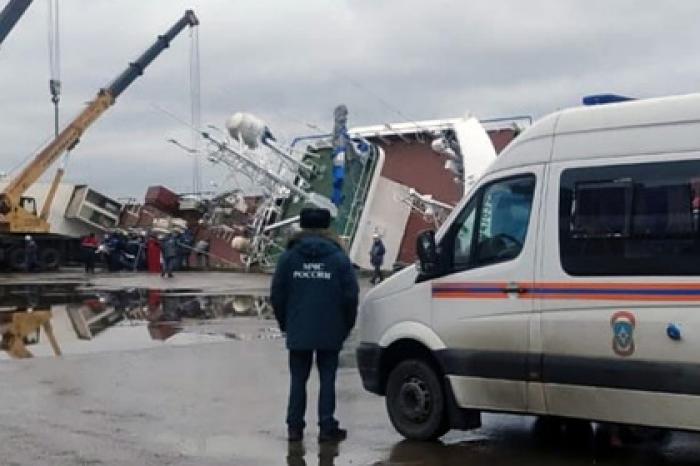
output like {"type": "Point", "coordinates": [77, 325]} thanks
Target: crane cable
{"type": "Point", "coordinates": [54, 59]}
{"type": "Point", "coordinates": [195, 109]}
{"type": "Point", "coordinates": [55, 76]}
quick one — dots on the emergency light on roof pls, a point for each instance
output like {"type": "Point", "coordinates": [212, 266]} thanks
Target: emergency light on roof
{"type": "Point", "coordinates": [601, 99]}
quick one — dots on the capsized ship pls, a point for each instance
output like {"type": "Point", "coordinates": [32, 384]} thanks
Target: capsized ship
{"type": "Point", "coordinates": [393, 179]}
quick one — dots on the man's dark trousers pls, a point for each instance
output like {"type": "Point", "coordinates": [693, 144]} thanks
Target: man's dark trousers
{"type": "Point", "coordinates": [377, 276]}
{"type": "Point", "coordinates": [300, 363]}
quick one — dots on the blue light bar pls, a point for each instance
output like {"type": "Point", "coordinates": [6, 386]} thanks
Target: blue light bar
{"type": "Point", "coordinates": [601, 99]}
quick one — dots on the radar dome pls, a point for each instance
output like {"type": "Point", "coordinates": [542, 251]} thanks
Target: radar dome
{"type": "Point", "coordinates": [240, 243]}
{"type": "Point", "coordinates": [442, 147]}
{"type": "Point", "coordinates": [246, 127]}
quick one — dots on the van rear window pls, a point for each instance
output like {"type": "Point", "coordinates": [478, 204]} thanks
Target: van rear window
{"type": "Point", "coordinates": [635, 219]}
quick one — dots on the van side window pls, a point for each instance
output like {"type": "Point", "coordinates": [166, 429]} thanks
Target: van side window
{"type": "Point", "coordinates": [492, 227]}
{"type": "Point", "coordinates": [636, 219]}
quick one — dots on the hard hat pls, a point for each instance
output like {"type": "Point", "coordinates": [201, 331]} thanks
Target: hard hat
{"type": "Point", "coordinates": [375, 235]}
{"type": "Point", "coordinates": [28, 238]}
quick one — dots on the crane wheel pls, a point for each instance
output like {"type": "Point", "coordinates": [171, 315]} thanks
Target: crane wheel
{"type": "Point", "coordinates": [49, 259]}
{"type": "Point", "coordinates": [16, 259]}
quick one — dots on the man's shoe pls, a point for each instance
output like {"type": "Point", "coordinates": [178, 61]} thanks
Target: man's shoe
{"type": "Point", "coordinates": [334, 435]}
{"type": "Point", "coordinates": [295, 435]}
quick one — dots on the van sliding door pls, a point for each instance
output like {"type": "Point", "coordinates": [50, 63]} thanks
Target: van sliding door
{"type": "Point", "coordinates": [619, 293]}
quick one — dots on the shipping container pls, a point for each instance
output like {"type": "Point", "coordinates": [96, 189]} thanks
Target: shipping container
{"type": "Point", "coordinates": [163, 199]}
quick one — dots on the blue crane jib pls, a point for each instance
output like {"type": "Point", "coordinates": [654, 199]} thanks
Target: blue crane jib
{"type": "Point", "coordinates": [9, 16]}
{"type": "Point", "coordinates": [136, 68]}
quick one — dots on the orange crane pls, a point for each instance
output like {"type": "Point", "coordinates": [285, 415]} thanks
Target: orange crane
{"type": "Point", "coordinates": [18, 215]}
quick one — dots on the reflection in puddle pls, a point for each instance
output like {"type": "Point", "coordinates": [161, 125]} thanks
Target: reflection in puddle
{"type": "Point", "coordinates": [21, 329]}
{"type": "Point", "coordinates": [43, 320]}
{"type": "Point", "coordinates": [244, 448]}
{"type": "Point", "coordinates": [252, 449]}
{"type": "Point", "coordinates": [327, 453]}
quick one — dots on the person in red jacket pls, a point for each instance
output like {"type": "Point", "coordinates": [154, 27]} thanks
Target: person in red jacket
{"type": "Point", "coordinates": [89, 250]}
{"type": "Point", "coordinates": [153, 254]}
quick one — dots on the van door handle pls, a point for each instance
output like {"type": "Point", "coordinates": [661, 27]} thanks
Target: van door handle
{"type": "Point", "coordinates": [513, 287]}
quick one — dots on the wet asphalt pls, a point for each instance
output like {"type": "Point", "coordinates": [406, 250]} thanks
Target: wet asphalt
{"type": "Point", "coordinates": [213, 392]}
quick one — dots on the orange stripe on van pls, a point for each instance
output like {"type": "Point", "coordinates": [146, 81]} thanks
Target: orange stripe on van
{"type": "Point", "coordinates": [645, 292]}
{"type": "Point", "coordinates": [629, 286]}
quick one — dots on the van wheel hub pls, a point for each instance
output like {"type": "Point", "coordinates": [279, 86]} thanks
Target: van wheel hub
{"type": "Point", "coordinates": [415, 399]}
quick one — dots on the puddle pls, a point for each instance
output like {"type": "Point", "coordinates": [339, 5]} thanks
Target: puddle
{"type": "Point", "coordinates": [245, 448]}
{"type": "Point", "coordinates": [52, 319]}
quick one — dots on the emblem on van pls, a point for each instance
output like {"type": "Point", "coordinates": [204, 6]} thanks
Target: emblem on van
{"type": "Point", "coordinates": [622, 324]}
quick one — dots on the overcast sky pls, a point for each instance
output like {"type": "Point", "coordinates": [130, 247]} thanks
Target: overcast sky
{"type": "Point", "coordinates": [290, 62]}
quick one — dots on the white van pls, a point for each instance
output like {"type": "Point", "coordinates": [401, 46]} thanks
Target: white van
{"type": "Point", "coordinates": [564, 284]}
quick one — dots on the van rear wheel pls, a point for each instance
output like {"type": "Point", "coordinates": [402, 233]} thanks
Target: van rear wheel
{"type": "Point", "coordinates": [644, 435]}
{"type": "Point", "coordinates": [415, 401]}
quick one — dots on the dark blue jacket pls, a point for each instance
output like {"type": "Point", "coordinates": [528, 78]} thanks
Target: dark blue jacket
{"type": "Point", "coordinates": [314, 294]}
{"type": "Point", "coordinates": [169, 246]}
{"type": "Point", "coordinates": [376, 254]}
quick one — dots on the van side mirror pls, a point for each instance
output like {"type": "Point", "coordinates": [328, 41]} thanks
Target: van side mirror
{"type": "Point", "coordinates": [427, 252]}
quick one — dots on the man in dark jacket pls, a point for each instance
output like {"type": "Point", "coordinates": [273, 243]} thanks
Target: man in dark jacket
{"type": "Point", "coordinates": [31, 254]}
{"type": "Point", "coordinates": [314, 294]}
{"type": "Point", "coordinates": [185, 242]}
{"type": "Point", "coordinates": [376, 257]}
{"type": "Point", "coordinates": [169, 250]}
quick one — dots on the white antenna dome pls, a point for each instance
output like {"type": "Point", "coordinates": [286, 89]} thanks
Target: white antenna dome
{"type": "Point", "coordinates": [442, 147]}
{"type": "Point", "coordinates": [246, 127]}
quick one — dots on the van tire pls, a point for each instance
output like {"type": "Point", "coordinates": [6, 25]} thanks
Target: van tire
{"type": "Point", "coordinates": [631, 435]}
{"type": "Point", "coordinates": [415, 401]}
{"type": "Point", "coordinates": [548, 429]}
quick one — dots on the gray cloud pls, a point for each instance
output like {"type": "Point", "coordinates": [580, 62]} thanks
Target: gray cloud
{"type": "Point", "coordinates": [292, 62]}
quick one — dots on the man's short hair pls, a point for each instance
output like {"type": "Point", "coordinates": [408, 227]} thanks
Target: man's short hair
{"type": "Point", "coordinates": [314, 218]}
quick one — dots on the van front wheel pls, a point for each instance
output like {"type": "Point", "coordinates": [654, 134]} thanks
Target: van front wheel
{"type": "Point", "coordinates": [415, 401]}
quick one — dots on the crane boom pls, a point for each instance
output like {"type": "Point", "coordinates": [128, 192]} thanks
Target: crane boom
{"type": "Point", "coordinates": [9, 16]}
{"type": "Point", "coordinates": [15, 219]}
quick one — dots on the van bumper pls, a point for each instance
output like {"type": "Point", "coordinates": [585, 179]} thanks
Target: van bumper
{"type": "Point", "coordinates": [369, 356]}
